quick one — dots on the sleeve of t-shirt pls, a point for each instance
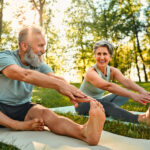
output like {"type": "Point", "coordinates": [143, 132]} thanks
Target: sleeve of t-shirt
{"type": "Point", "coordinates": [45, 68]}
{"type": "Point", "coordinates": [6, 59]}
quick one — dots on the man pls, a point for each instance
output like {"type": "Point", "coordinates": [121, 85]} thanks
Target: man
{"type": "Point", "coordinates": [22, 69]}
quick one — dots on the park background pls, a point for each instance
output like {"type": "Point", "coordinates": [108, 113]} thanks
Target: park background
{"type": "Point", "coordinates": [71, 28]}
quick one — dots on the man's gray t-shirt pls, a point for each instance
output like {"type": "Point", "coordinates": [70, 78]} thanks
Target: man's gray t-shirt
{"type": "Point", "coordinates": [14, 92]}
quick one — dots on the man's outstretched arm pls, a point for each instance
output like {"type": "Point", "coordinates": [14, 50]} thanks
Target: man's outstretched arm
{"type": "Point", "coordinates": [39, 79]}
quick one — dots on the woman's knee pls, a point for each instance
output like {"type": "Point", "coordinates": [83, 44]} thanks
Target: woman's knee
{"type": "Point", "coordinates": [83, 108]}
{"type": "Point", "coordinates": [108, 105]}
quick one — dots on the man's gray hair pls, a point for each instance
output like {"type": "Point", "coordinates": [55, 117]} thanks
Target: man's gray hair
{"type": "Point", "coordinates": [23, 34]}
{"type": "Point", "coordinates": [109, 46]}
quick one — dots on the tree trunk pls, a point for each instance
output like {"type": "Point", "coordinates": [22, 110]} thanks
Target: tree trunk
{"type": "Point", "coordinates": [138, 44]}
{"type": "Point", "coordinates": [141, 56]}
{"type": "Point", "coordinates": [1, 17]}
{"type": "Point", "coordinates": [137, 67]}
{"type": "Point", "coordinates": [136, 60]}
{"type": "Point", "coordinates": [41, 13]}
{"type": "Point", "coordinates": [39, 8]}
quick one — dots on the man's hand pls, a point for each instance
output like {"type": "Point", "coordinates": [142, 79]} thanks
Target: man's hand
{"type": "Point", "coordinates": [81, 100]}
{"type": "Point", "coordinates": [141, 98]}
{"type": "Point", "coordinates": [71, 91]}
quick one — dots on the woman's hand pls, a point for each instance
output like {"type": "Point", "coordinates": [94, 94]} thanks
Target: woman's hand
{"type": "Point", "coordinates": [144, 92]}
{"type": "Point", "coordinates": [141, 98]}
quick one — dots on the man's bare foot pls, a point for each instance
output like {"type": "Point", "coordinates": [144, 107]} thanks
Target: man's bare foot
{"type": "Point", "coordinates": [93, 128]}
{"type": "Point", "coordinates": [35, 125]}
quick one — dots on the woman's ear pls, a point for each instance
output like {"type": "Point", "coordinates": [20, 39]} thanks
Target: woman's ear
{"type": "Point", "coordinates": [110, 57]}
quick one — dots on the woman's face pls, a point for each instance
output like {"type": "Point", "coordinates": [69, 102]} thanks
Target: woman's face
{"type": "Point", "coordinates": [102, 56]}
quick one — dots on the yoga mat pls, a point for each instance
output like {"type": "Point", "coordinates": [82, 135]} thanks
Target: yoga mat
{"type": "Point", "coordinates": [46, 140]}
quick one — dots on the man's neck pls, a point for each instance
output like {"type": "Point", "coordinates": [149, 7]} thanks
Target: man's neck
{"type": "Point", "coordinates": [21, 55]}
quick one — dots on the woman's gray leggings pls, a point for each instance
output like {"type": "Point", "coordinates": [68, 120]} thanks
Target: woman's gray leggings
{"type": "Point", "coordinates": [111, 104]}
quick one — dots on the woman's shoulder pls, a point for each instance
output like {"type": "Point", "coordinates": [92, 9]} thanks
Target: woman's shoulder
{"type": "Point", "coordinates": [90, 69]}
{"type": "Point", "coordinates": [113, 69]}
{"type": "Point", "coordinates": [89, 72]}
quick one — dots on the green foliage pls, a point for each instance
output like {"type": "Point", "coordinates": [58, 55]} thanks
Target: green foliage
{"type": "Point", "coordinates": [116, 21]}
{"type": "Point", "coordinates": [79, 36]}
{"type": "Point", "coordinates": [8, 37]}
{"type": "Point", "coordinates": [4, 146]}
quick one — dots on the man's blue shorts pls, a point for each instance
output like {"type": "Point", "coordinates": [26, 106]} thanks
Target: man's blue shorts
{"type": "Point", "coordinates": [16, 112]}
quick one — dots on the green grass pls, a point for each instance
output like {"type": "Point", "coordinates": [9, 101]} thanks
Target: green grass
{"type": "Point", "coordinates": [4, 146]}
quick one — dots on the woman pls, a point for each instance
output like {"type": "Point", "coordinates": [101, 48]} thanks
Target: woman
{"type": "Point", "coordinates": [97, 81]}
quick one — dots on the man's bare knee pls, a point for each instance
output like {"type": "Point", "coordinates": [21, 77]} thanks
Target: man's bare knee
{"type": "Point", "coordinates": [49, 116]}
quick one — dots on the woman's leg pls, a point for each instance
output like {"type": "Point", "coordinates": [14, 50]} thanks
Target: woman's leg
{"type": "Point", "coordinates": [83, 109]}
{"type": "Point", "coordinates": [115, 111]}
{"type": "Point", "coordinates": [118, 113]}
{"type": "Point", "coordinates": [118, 100]}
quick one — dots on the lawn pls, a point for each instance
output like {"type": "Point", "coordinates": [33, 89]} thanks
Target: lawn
{"type": "Point", "coordinates": [51, 98]}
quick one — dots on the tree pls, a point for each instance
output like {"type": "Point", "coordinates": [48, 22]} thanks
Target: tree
{"type": "Point", "coordinates": [39, 6]}
{"type": "Point", "coordinates": [78, 36]}
{"type": "Point", "coordinates": [1, 16]}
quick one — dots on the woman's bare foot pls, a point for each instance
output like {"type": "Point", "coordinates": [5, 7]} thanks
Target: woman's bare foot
{"type": "Point", "coordinates": [148, 116]}
{"type": "Point", "coordinates": [145, 118]}
{"type": "Point", "coordinates": [93, 128]}
{"type": "Point", "coordinates": [35, 124]}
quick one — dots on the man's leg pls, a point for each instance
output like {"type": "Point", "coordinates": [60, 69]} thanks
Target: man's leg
{"type": "Point", "coordinates": [35, 124]}
{"type": "Point", "coordinates": [89, 132]}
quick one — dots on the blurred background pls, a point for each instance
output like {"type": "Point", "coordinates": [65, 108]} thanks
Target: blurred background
{"type": "Point", "coordinates": [71, 28]}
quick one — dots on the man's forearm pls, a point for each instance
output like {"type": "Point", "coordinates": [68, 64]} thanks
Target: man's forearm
{"type": "Point", "coordinates": [42, 80]}
{"type": "Point", "coordinates": [57, 77]}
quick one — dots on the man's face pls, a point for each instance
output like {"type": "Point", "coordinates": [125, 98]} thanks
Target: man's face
{"type": "Point", "coordinates": [36, 48]}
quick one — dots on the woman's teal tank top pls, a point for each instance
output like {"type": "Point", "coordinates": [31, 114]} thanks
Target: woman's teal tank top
{"type": "Point", "coordinates": [91, 90]}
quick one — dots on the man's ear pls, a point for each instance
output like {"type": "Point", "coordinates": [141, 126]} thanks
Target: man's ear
{"type": "Point", "coordinates": [24, 46]}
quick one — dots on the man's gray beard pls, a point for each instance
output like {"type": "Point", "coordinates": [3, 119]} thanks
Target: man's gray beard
{"type": "Point", "coordinates": [32, 59]}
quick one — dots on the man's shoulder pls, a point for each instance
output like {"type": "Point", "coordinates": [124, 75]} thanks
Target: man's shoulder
{"type": "Point", "coordinates": [45, 68]}
{"type": "Point", "coordinates": [7, 52]}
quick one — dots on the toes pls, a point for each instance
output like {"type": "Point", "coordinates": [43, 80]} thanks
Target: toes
{"type": "Point", "coordinates": [93, 105]}
{"type": "Point", "coordinates": [36, 120]}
